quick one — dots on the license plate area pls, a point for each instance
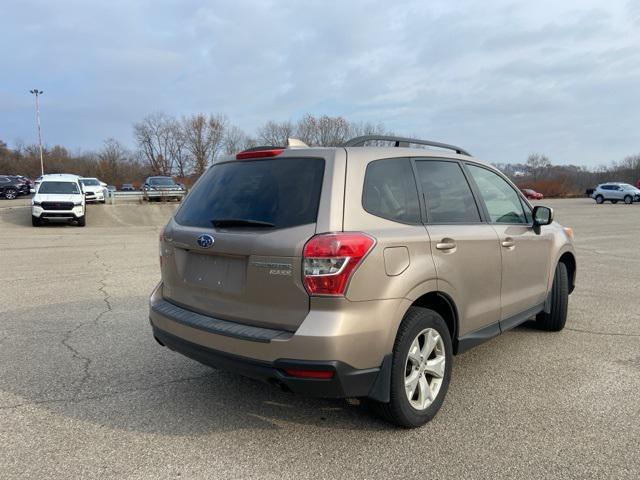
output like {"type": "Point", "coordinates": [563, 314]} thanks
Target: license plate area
{"type": "Point", "coordinates": [220, 273]}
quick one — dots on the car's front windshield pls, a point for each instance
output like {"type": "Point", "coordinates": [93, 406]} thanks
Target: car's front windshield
{"type": "Point", "coordinates": [164, 181]}
{"type": "Point", "coordinates": [626, 186]}
{"type": "Point", "coordinates": [90, 182]}
{"type": "Point", "coordinates": [64, 188]}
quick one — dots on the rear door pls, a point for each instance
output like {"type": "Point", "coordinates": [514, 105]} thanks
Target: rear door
{"type": "Point", "coordinates": [233, 250]}
{"type": "Point", "coordinates": [465, 249]}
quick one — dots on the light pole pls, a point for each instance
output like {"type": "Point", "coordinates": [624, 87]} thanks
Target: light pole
{"type": "Point", "coordinates": [37, 93]}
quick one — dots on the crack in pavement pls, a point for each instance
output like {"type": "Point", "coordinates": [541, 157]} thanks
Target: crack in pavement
{"type": "Point", "coordinates": [86, 361]}
{"type": "Point", "coordinates": [75, 399]}
{"type": "Point", "coordinates": [614, 334]}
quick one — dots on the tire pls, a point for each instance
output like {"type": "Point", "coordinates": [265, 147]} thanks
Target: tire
{"type": "Point", "coordinates": [82, 221]}
{"type": "Point", "coordinates": [614, 201]}
{"type": "Point", "coordinates": [35, 221]}
{"type": "Point", "coordinates": [401, 410]}
{"type": "Point", "coordinates": [555, 320]}
{"type": "Point", "coordinates": [599, 199]}
{"type": "Point", "coordinates": [628, 199]}
{"type": "Point", "coordinates": [10, 194]}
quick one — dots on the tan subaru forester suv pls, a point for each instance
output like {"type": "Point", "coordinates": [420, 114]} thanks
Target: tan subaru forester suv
{"type": "Point", "coordinates": [357, 271]}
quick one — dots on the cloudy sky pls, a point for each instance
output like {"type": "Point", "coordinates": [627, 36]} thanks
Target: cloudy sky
{"type": "Point", "coordinates": [501, 78]}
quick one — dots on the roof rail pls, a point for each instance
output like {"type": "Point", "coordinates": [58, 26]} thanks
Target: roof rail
{"type": "Point", "coordinates": [402, 142]}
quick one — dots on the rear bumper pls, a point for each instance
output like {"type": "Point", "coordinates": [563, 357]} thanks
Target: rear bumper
{"type": "Point", "coordinates": [346, 381]}
{"type": "Point", "coordinates": [352, 339]}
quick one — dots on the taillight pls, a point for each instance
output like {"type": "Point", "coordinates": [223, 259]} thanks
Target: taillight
{"type": "Point", "coordinates": [160, 242]}
{"type": "Point", "coordinates": [331, 258]}
{"type": "Point", "coordinates": [273, 152]}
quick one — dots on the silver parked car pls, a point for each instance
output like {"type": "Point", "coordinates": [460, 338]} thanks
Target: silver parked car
{"type": "Point", "coordinates": [614, 191]}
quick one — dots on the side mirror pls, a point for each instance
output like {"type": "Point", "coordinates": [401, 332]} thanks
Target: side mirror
{"type": "Point", "coordinates": [541, 216]}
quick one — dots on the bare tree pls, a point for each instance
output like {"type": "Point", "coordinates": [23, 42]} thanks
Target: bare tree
{"type": "Point", "coordinates": [111, 159]}
{"type": "Point", "coordinates": [204, 138]}
{"type": "Point", "coordinates": [323, 131]}
{"type": "Point", "coordinates": [236, 140]}
{"type": "Point", "coordinates": [275, 133]}
{"type": "Point", "coordinates": [537, 164]}
{"type": "Point", "coordinates": [153, 135]}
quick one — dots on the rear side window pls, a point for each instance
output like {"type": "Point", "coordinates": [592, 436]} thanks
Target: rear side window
{"type": "Point", "coordinates": [447, 193]}
{"type": "Point", "coordinates": [390, 190]}
{"type": "Point", "coordinates": [283, 192]}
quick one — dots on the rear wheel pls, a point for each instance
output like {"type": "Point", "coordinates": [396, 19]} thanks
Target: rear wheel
{"type": "Point", "coordinates": [599, 199]}
{"type": "Point", "coordinates": [420, 371]}
{"type": "Point", "coordinates": [628, 199]}
{"type": "Point", "coordinates": [557, 317]}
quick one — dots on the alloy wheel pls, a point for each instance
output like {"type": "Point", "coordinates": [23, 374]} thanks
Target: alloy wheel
{"type": "Point", "coordinates": [424, 368]}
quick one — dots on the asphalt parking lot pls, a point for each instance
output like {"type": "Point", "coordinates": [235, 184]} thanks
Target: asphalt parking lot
{"type": "Point", "coordinates": [86, 392]}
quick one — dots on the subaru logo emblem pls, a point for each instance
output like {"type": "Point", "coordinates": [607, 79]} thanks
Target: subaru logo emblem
{"type": "Point", "coordinates": [205, 241]}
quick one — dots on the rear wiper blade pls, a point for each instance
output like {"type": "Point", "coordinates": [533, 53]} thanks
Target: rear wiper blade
{"type": "Point", "coordinates": [240, 222]}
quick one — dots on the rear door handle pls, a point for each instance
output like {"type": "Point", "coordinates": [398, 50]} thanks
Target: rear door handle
{"type": "Point", "coordinates": [446, 244]}
{"type": "Point", "coordinates": [508, 243]}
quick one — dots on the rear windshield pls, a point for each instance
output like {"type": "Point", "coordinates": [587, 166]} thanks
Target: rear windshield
{"type": "Point", "coordinates": [161, 181]}
{"type": "Point", "coordinates": [283, 192]}
{"type": "Point", "coordinates": [59, 187]}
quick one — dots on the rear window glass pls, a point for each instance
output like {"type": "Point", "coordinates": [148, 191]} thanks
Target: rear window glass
{"type": "Point", "coordinates": [66, 188]}
{"type": "Point", "coordinates": [284, 192]}
{"type": "Point", "coordinates": [161, 181]}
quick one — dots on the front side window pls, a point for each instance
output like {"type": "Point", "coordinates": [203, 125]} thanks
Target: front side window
{"type": "Point", "coordinates": [62, 188]}
{"type": "Point", "coordinates": [502, 201]}
{"type": "Point", "coordinates": [390, 190]}
{"type": "Point", "coordinates": [447, 193]}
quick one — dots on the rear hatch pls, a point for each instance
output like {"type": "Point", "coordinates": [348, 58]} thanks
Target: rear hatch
{"type": "Point", "coordinates": [234, 249]}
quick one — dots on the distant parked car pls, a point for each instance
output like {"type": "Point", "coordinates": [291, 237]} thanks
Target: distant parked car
{"type": "Point", "coordinates": [127, 187]}
{"type": "Point", "coordinates": [532, 194]}
{"type": "Point", "coordinates": [24, 183]}
{"type": "Point", "coordinates": [157, 188]}
{"type": "Point", "coordinates": [614, 192]}
{"type": "Point", "coordinates": [59, 198]}
{"type": "Point", "coordinates": [94, 189]}
{"type": "Point", "coordinates": [9, 187]}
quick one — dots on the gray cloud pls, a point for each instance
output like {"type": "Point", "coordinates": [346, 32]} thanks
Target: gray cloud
{"type": "Point", "coordinates": [501, 78]}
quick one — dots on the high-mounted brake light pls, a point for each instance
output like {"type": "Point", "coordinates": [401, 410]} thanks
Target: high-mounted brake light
{"type": "Point", "coordinates": [331, 258]}
{"type": "Point", "coordinates": [274, 152]}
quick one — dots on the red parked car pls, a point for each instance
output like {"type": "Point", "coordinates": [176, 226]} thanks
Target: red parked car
{"type": "Point", "coordinates": [532, 194]}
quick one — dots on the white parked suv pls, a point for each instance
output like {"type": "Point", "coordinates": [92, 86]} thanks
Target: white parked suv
{"type": "Point", "coordinates": [58, 197]}
{"type": "Point", "coordinates": [94, 189]}
{"type": "Point", "coordinates": [615, 191]}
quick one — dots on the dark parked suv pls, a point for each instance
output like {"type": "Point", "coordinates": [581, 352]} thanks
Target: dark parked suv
{"type": "Point", "coordinates": [356, 271]}
{"type": "Point", "coordinates": [11, 187]}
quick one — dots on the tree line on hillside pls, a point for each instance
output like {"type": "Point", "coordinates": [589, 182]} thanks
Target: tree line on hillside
{"type": "Point", "coordinates": [552, 180]}
{"type": "Point", "coordinates": [184, 147]}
